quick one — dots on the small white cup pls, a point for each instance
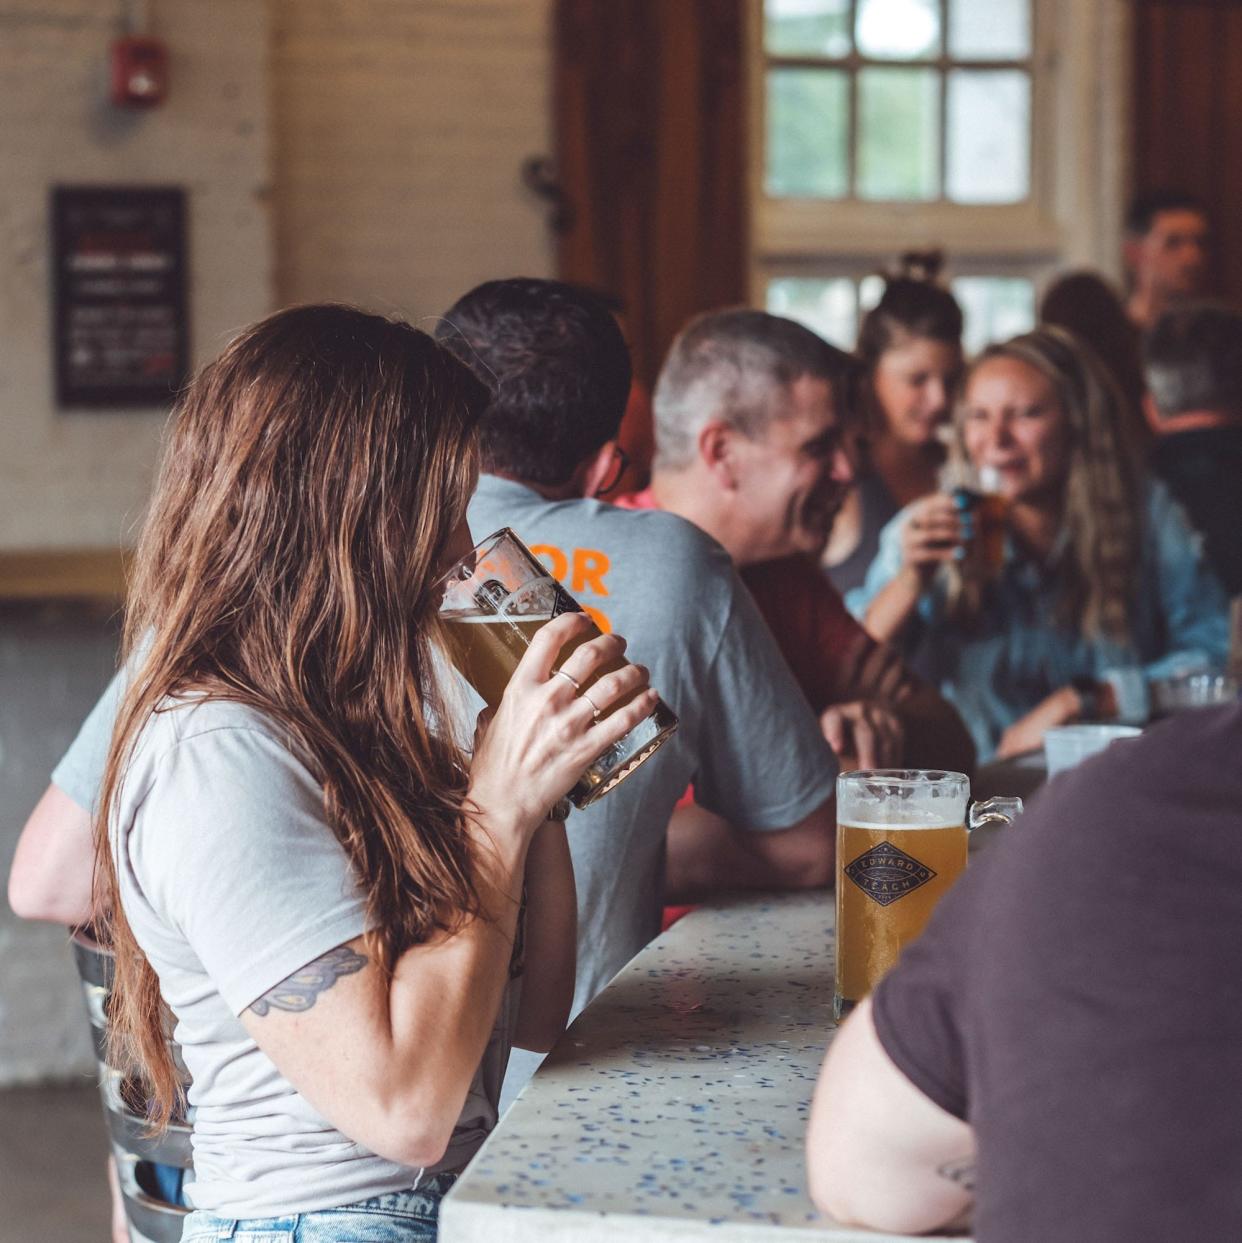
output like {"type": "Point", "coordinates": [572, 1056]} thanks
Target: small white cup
{"type": "Point", "coordinates": [1068, 745]}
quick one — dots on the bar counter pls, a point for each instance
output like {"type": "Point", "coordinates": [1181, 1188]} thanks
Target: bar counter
{"type": "Point", "coordinates": [675, 1107]}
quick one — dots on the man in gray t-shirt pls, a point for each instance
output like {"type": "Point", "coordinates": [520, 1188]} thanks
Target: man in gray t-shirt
{"type": "Point", "coordinates": [748, 741]}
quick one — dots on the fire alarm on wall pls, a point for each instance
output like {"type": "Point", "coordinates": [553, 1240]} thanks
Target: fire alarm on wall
{"type": "Point", "coordinates": [139, 72]}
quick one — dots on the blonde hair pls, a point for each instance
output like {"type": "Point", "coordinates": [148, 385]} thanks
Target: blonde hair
{"type": "Point", "coordinates": [1100, 517]}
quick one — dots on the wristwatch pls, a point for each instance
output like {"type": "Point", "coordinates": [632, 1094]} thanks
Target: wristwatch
{"type": "Point", "coordinates": [560, 810]}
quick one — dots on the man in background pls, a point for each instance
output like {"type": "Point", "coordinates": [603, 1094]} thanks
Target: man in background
{"type": "Point", "coordinates": [1193, 364]}
{"type": "Point", "coordinates": [560, 374]}
{"type": "Point", "coordinates": [750, 409]}
{"type": "Point", "coordinates": [1167, 250]}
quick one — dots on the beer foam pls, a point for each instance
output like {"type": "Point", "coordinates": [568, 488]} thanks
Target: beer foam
{"type": "Point", "coordinates": [883, 826]}
{"type": "Point", "coordinates": [484, 619]}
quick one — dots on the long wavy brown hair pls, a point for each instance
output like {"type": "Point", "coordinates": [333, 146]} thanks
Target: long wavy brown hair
{"type": "Point", "coordinates": [311, 479]}
{"type": "Point", "coordinates": [1101, 518]}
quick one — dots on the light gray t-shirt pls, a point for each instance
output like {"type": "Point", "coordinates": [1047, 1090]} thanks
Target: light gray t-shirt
{"type": "Point", "coordinates": [232, 880]}
{"type": "Point", "coordinates": [748, 741]}
{"type": "Point", "coordinates": [80, 771]}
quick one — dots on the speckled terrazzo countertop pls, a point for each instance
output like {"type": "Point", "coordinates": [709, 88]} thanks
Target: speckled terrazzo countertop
{"type": "Point", "coordinates": [675, 1107]}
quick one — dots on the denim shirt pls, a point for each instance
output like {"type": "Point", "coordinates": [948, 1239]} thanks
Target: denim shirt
{"type": "Point", "coordinates": [1019, 651]}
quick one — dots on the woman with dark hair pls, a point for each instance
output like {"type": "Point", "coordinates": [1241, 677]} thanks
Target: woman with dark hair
{"type": "Point", "coordinates": [350, 916]}
{"type": "Point", "coordinates": [911, 346]}
{"type": "Point", "coordinates": [1099, 585]}
{"type": "Point", "coordinates": [1085, 304]}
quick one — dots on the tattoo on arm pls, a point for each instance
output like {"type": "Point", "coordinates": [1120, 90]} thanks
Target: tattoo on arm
{"type": "Point", "coordinates": [961, 1171]}
{"type": "Point", "coordinates": [301, 990]}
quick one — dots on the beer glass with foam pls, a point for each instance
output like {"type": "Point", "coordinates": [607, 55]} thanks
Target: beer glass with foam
{"type": "Point", "coordinates": [901, 843]}
{"type": "Point", "coordinates": [494, 600]}
{"type": "Point", "coordinates": [985, 514]}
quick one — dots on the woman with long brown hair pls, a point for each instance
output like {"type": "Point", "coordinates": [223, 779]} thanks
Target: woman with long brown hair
{"type": "Point", "coordinates": [1094, 586]}
{"type": "Point", "coordinates": [350, 916]}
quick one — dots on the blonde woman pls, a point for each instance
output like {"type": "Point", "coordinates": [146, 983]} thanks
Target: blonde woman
{"type": "Point", "coordinates": [1101, 585]}
{"type": "Point", "coordinates": [350, 917]}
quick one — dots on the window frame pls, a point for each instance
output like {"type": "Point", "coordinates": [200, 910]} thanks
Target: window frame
{"type": "Point", "coordinates": [1080, 132]}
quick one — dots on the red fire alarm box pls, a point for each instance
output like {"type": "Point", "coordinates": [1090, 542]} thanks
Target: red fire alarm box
{"type": "Point", "coordinates": [139, 72]}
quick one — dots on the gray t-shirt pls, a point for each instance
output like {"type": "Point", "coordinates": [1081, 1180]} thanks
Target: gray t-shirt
{"type": "Point", "coordinates": [748, 741]}
{"type": "Point", "coordinates": [80, 771]}
{"type": "Point", "coordinates": [232, 880]}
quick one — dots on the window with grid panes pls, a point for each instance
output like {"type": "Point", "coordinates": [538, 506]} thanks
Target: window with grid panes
{"type": "Point", "coordinates": [913, 106]}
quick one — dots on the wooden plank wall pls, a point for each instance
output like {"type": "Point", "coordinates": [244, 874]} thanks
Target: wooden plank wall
{"type": "Point", "coordinates": [1188, 114]}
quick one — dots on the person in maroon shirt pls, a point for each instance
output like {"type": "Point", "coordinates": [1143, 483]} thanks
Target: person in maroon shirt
{"type": "Point", "coordinates": [1060, 1052]}
{"type": "Point", "coordinates": [750, 448]}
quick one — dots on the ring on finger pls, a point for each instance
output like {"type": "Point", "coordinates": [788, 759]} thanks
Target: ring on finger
{"type": "Point", "coordinates": [594, 707]}
{"type": "Point", "coordinates": [569, 677]}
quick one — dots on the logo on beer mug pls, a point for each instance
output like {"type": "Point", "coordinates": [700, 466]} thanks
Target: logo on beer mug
{"type": "Point", "coordinates": [885, 873]}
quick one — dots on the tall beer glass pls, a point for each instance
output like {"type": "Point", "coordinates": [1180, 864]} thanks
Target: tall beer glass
{"type": "Point", "coordinates": [985, 514]}
{"type": "Point", "coordinates": [901, 842]}
{"type": "Point", "coordinates": [494, 600]}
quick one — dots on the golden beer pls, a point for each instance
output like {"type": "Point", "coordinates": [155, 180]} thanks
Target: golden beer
{"type": "Point", "coordinates": [491, 605]}
{"type": "Point", "coordinates": [991, 531]}
{"type": "Point", "coordinates": [486, 649]}
{"type": "Point", "coordinates": [901, 843]}
{"type": "Point", "coordinates": [899, 874]}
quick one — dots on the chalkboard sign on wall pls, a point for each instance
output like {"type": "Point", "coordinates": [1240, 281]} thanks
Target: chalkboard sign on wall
{"type": "Point", "coordinates": [119, 284]}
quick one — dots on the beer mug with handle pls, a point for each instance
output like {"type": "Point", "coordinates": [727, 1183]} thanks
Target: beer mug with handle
{"type": "Point", "coordinates": [493, 601]}
{"type": "Point", "coordinates": [901, 843]}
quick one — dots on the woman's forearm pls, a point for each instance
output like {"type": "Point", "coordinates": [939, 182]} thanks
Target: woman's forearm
{"type": "Point", "coordinates": [550, 941]}
{"type": "Point", "coordinates": [388, 1058]}
{"type": "Point", "coordinates": [890, 611]}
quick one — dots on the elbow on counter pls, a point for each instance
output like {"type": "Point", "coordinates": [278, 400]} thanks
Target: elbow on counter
{"type": "Point", "coordinates": [874, 1208]}
{"type": "Point", "coordinates": [807, 858]}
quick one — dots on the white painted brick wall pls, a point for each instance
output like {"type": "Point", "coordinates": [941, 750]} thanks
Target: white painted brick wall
{"type": "Point", "coordinates": [400, 128]}
{"type": "Point", "coordinates": [78, 480]}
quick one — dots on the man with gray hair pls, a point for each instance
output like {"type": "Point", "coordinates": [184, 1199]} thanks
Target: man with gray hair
{"type": "Point", "coordinates": [1193, 361]}
{"type": "Point", "coordinates": [751, 415]}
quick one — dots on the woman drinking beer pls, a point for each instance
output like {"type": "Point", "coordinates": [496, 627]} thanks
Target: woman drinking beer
{"type": "Point", "coordinates": [350, 916]}
{"type": "Point", "coordinates": [1099, 586]}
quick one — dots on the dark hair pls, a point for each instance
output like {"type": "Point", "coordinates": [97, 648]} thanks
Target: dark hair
{"type": "Point", "coordinates": [1086, 305]}
{"type": "Point", "coordinates": [913, 305]}
{"type": "Point", "coordinates": [737, 365]}
{"type": "Point", "coordinates": [558, 367]}
{"type": "Point", "coordinates": [313, 476]}
{"type": "Point", "coordinates": [1145, 207]}
{"type": "Point", "coordinates": [1193, 357]}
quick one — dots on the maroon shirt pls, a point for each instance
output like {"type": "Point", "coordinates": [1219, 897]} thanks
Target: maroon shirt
{"type": "Point", "coordinates": [1078, 999]}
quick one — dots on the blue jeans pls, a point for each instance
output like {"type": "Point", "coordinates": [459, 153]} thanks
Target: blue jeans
{"type": "Point", "coordinates": [396, 1217]}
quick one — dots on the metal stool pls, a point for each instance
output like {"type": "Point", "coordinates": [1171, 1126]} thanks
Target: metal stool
{"type": "Point", "coordinates": [151, 1219]}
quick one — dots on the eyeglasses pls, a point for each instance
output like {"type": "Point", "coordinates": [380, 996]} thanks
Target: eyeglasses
{"type": "Point", "coordinates": [616, 471]}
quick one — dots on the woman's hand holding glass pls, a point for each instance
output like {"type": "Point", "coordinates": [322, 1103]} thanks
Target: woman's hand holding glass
{"type": "Point", "coordinates": [546, 731]}
{"type": "Point", "coordinates": [936, 530]}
